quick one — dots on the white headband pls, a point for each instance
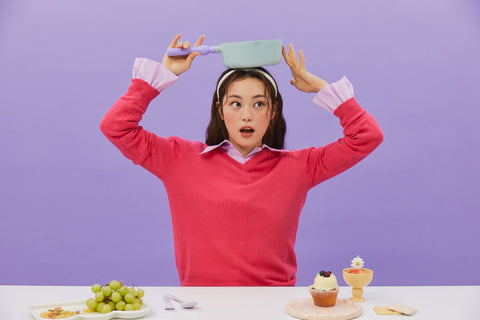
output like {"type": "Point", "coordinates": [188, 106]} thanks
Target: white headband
{"type": "Point", "coordinates": [226, 75]}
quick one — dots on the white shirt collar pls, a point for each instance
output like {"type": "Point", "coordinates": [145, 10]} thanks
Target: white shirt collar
{"type": "Point", "coordinates": [233, 152]}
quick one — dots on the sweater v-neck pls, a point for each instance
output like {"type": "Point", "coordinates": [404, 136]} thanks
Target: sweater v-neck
{"type": "Point", "coordinates": [235, 154]}
{"type": "Point", "coordinates": [247, 165]}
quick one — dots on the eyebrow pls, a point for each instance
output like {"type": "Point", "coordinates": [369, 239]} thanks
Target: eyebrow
{"type": "Point", "coordinates": [254, 97]}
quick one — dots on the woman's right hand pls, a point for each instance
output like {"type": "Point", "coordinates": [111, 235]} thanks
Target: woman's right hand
{"type": "Point", "coordinates": [302, 79]}
{"type": "Point", "coordinates": [180, 64]}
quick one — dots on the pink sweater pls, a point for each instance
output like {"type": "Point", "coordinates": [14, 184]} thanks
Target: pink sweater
{"type": "Point", "coordinates": [235, 224]}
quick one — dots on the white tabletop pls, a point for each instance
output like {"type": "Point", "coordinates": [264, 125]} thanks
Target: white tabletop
{"type": "Point", "coordinates": [436, 302]}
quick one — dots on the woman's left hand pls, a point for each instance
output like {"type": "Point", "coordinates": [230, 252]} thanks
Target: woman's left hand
{"type": "Point", "coordinates": [302, 79]}
{"type": "Point", "coordinates": [180, 64]}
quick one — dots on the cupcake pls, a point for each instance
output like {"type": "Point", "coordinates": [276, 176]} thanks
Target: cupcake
{"type": "Point", "coordinates": [324, 290]}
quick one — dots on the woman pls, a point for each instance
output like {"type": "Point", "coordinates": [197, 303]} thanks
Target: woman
{"type": "Point", "coordinates": [235, 200]}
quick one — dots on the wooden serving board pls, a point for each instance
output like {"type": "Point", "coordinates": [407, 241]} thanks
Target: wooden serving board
{"type": "Point", "coordinates": [342, 310]}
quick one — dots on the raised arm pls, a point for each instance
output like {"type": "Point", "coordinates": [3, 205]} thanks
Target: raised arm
{"type": "Point", "coordinates": [362, 134]}
{"type": "Point", "coordinates": [121, 123]}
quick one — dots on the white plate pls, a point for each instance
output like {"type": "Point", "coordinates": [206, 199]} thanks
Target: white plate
{"type": "Point", "coordinates": [35, 311]}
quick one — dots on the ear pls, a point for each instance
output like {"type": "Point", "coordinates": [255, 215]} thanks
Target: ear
{"type": "Point", "coordinates": [274, 111]}
{"type": "Point", "coordinates": [220, 110]}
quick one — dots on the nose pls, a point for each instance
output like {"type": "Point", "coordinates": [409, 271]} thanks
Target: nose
{"type": "Point", "coordinates": [246, 114]}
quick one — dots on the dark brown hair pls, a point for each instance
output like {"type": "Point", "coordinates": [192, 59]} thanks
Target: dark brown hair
{"type": "Point", "coordinates": [274, 136]}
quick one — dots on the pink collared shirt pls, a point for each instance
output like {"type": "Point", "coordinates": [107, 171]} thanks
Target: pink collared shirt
{"type": "Point", "coordinates": [160, 78]}
{"type": "Point", "coordinates": [233, 152]}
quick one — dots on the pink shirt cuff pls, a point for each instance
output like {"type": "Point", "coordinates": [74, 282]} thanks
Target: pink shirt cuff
{"type": "Point", "coordinates": [154, 73]}
{"type": "Point", "coordinates": [333, 95]}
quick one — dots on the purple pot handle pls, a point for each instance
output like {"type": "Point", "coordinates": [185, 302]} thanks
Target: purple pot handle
{"type": "Point", "coordinates": [203, 49]}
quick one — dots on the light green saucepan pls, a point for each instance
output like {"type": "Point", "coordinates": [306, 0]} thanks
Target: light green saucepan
{"type": "Point", "coordinates": [246, 54]}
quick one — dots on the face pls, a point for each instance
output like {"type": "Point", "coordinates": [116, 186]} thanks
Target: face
{"type": "Point", "coordinates": [247, 113]}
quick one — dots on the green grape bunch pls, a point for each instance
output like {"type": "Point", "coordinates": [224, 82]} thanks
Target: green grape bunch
{"type": "Point", "coordinates": [115, 296]}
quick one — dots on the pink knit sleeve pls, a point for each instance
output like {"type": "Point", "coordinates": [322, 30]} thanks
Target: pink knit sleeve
{"type": "Point", "coordinates": [121, 126]}
{"type": "Point", "coordinates": [362, 135]}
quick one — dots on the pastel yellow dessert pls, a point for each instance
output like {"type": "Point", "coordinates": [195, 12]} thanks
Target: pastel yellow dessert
{"type": "Point", "coordinates": [325, 289]}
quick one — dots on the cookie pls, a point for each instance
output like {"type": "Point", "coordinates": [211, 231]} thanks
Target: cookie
{"type": "Point", "coordinates": [385, 310]}
{"type": "Point", "coordinates": [403, 309]}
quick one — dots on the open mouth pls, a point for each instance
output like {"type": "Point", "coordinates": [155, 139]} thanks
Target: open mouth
{"type": "Point", "coordinates": [246, 131]}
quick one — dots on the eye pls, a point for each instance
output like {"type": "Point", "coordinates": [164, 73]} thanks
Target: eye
{"type": "Point", "coordinates": [259, 104]}
{"type": "Point", "coordinates": [235, 104]}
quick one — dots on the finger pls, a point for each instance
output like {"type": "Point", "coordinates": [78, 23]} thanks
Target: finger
{"type": "Point", "coordinates": [302, 59]}
{"type": "Point", "coordinates": [174, 41]}
{"type": "Point", "coordinates": [200, 40]}
{"type": "Point", "coordinates": [179, 44]}
{"type": "Point", "coordinates": [190, 58]}
{"type": "Point", "coordinates": [284, 53]}
{"type": "Point", "coordinates": [186, 45]}
{"type": "Point", "coordinates": [292, 82]}
{"type": "Point", "coordinates": [285, 56]}
{"type": "Point", "coordinates": [292, 54]}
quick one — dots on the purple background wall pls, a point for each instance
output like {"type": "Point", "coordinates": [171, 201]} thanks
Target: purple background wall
{"type": "Point", "coordinates": [74, 211]}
